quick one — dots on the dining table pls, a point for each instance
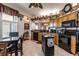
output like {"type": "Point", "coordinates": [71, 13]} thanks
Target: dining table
{"type": "Point", "coordinates": [4, 44]}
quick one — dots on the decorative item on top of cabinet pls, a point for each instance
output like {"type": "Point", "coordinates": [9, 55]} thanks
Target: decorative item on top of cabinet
{"type": "Point", "coordinates": [53, 17]}
{"type": "Point", "coordinates": [67, 8]}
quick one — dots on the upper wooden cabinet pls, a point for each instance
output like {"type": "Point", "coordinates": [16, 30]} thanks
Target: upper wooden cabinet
{"type": "Point", "coordinates": [72, 16]}
{"type": "Point", "coordinates": [67, 17]}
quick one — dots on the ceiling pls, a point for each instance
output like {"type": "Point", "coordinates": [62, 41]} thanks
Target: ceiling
{"type": "Point", "coordinates": [47, 8]}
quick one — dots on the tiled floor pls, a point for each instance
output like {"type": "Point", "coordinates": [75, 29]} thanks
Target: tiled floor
{"type": "Point", "coordinates": [31, 48]}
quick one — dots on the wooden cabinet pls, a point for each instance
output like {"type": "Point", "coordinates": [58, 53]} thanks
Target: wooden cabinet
{"type": "Point", "coordinates": [73, 44]}
{"type": "Point", "coordinates": [26, 26]}
{"type": "Point", "coordinates": [3, 46]}
{"type": "Point", "coordinates": [40, 37]}
{"type": "Point", "coordinates": [67, 17]}
{"type": "Point", "coordinates": [56, 39]}
{"type": "Point", "coordinates": [72, 16]}
{"type": "Point", "coordinates": [58, 22]}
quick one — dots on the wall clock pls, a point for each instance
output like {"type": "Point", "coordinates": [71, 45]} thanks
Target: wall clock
{"type": "Point", "coordinates": [67, 8]}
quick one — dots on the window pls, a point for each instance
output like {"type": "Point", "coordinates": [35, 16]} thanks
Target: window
{"type": "Point", "coordinates": [9, 24]}
{"type": "Point", "coordinates": [7, 17]}
{"type": "Point", "coordinates": [15, 19]}
{"type": "Point", "coordinates": [5, 29]}
{"type": "Point", "coordinates": [13, 27]}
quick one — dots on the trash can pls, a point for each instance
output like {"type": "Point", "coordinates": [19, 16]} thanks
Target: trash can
{"type": "Point", "coordinates": [48, 46]}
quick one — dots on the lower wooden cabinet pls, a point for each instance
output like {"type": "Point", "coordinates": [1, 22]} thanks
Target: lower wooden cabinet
{"type": "Point", "coordinates": [73, 45]}
{"type": "Point", "coordinates": [40, 37]}
{"type": "Point", "coordinates": [56, 39]}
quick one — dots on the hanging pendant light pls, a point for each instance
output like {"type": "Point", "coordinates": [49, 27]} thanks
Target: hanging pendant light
{"type": "Point", "coordinates": [35, 5]}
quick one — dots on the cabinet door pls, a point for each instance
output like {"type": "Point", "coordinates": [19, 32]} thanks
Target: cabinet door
{"type": "Point", "coordinates": [64, 18]}
{"type": "Point", "coordinates": [56, 39]}
{"type": "Point", "coordinates": [72, 16]}
{"type": "Point", "coordinates": [73, 44]}
{"type": "Point", "coordinates": [40, 37]}
{"type": "Point", "coordinates": [60, 21]}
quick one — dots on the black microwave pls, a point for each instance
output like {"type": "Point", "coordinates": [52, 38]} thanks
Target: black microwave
{"type": "Point", "coordinates": [70, 23]}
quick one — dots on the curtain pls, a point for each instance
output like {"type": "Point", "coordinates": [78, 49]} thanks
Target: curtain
{"type": "Point", "coordinates": [8, 10]}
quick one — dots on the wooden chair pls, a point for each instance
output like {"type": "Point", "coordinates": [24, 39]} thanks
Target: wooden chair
{"type": "Point", "coordinates": [20, 46]}
{"type": "Point", "coordinates": [13, 44]}
{"type": "Point", "coordinates": [11, 50]}
{"type": "Point", "coordinates": [26, 35]}
{"type": "Point", "coordinates": [3, 49]}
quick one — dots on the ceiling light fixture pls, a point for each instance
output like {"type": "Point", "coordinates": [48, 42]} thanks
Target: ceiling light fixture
{"type": "Point", "coordinates": [35, 5]}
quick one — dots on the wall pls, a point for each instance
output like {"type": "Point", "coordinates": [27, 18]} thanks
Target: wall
{"type": "Point", "coordinates": [0, 27]}
{"type": "Point", "coordinates": [20, 27]}
{"type": "Point", "coordinates": [26, 20]}
{"type": "Point", "coordinates": [33, 26]}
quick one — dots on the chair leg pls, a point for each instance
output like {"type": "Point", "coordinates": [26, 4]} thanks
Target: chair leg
{"type": "Point", "coordinates": [21, 52]}
{"type": "Point", "coordinates": [16, 49]}
{"type": "Point", "coordinates": [10, 53]}
{"type": "Point", "coordinates": [21, 49]}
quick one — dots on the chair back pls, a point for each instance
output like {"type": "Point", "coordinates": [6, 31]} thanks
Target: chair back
{"type": "Point", "coordinates": [13, 34]}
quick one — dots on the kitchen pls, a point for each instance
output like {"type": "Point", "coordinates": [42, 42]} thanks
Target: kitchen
{"type": "Point", "coordinates": [45, 27]}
